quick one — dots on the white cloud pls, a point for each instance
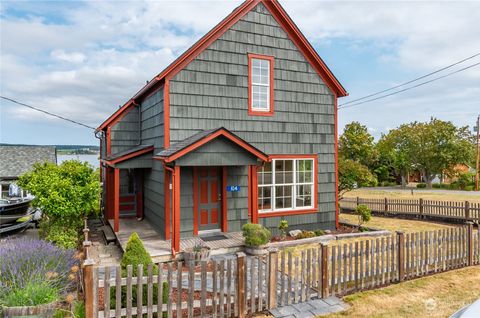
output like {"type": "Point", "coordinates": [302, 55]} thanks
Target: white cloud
{"type": "Point", "coordinates": [72, 57]}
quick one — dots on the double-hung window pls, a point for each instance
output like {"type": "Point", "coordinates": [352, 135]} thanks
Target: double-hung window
{"type": "Point", "coordinates": [286, 185]}
{"type": "Point", "coordinates": [260, 84]}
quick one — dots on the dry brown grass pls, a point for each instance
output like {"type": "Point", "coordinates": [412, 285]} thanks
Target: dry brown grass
{"type": "Point", "coordinates": [393, 224]}
{"type": "Point", "coordinates": [434, 296]}
{"type": "Point", "coordinates": [440, 196]}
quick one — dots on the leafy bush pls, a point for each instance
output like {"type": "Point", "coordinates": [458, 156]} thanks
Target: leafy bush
{"type": "Point", "coordinates": [66, 194]}
{"type": "Point", "coordinates": [319, 232]}
{"type": "Point", "coordinates": [79, 309]}
{"type": "Point", "coordinates": [305, 234]}
{"type": "Point", "coordinates": [255, 235]}
{"type": "Point", "coordinates": [465, 179]}
{"type": "Point", "coordinates": [34, 269]}
{"type": "Point", "coordinates": [283, 226]}
{"type": "Point", "coordinates": [62, 236]}
{"type": "Point", "coordinates": [364, 214]}
{"type": "Point", "coordinates": [421, 185]}
{"type": "Point", "coordinates": [469, 188]}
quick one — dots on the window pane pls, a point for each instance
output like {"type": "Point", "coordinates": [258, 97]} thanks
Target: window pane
{"type": "Point", "coordinates": [264, 198]}
{"type": "Point", "coordinates": [283, 197]}
{"type": "Point", "coordinates": [264, 174]}
{"type": "Point", "coordinates": [304, 171]}
{"type": "Point", "coordinates": [304, 196]}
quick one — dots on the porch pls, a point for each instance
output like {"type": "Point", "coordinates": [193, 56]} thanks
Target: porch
{"type": "Point", "coordinates": [161, 249]}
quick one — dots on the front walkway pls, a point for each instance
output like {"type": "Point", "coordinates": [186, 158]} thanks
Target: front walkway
{"type": "Point", "coordinates": [161, 250]}
{"type": "Point", "coordinates": [311, 308]}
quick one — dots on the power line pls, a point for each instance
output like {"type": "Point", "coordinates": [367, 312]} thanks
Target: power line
{"type": "Point", "coordinates": [48, 113]}
{"type": "Point", "coordinates": [411, 87]}
{"type": "Point", "coordinates": [411, 81]}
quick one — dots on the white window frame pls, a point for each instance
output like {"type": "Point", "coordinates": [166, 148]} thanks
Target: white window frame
{"type": "Point", "coordinates": [294, 186]}
{"type": "Point", "coordinates": [253, 83]}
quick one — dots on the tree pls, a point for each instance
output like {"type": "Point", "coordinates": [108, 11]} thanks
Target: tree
{"type": "Point", "coordinates": [66, 194]}
{"type": "Point", "coordinates": [436, 146]}
{"type": "Point", "coordinates": [357, 144]}
{"type": "Point", "coordinates": [352, 174]}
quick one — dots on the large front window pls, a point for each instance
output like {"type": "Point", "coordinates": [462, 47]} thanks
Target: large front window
{"type": "Point", "coordinates": [286, 184]}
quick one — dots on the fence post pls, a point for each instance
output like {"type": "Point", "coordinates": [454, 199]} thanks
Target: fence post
{"type": "Point", "coordinates": [421, 207]}
{"type": "Point", "coordinates": [467, 211]}
{"type": "Point", "coordinates": [324, 278]}
{"type": "Point", "coordinates": [272, 278]}
{"type": "Point", "coordinates": [386, 206]}
{"type": "Point", "coordinates": [88, 287]}
{"type": "Point", "coordinates": [358, 201]}
{"type": "Point", "coordinates": [401, 255]}
{"type": "Point", "coordinates": [470, 243]}
{"type": "Point", "coordinates": [241, 284]}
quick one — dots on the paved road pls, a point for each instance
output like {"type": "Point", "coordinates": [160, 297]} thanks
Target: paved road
{"type": "Point", "coordinates": [415, 190]}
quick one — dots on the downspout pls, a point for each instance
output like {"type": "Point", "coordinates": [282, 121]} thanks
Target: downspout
{"type": "Point", "coordinates": [172, 171]}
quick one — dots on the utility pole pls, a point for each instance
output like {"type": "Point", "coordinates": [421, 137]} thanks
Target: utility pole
{"type": "Point", "coordinates": [477, 167]}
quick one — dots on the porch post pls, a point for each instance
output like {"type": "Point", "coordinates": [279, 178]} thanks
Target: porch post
{"type": "Point", "coordinates": [116, 199]}
{"type": "Point", "coordinates": [254, 195]}
{"type": "Point", "coordinates": [176, 210]}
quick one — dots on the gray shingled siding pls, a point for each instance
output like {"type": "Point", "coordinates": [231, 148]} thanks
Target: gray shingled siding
{"type": "Point", "coordinates": [152, 133]}
{"type": "Point", "coordinates": [237, 202]}
{"type": "Point", "coordinates": [218, 152]}
{"type": "Point", "coordinates": [212, 92]}
{"type": "Point", "coordinates": [125, 134]}
{"type": "Point", "coordinates": [186, 202]}
{"type": "Point", "coordinates": [144, 161]}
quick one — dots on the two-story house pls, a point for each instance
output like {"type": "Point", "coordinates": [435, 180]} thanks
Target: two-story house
{"type": "Point", "coordinates": [240, 128]}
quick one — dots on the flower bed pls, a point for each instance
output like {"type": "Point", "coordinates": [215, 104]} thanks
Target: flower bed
{"type": "Point", "coordinates": [35, 272]}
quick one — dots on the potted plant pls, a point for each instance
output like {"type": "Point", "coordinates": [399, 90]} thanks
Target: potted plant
{"type": "Point", "coordinates": [256, 238]}
{"type": "Point", "coordinates": [197, 254]}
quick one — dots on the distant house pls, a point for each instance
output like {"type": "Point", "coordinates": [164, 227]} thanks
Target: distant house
{"type": "Point", "coordinates": [240, 128]}
{"type": "Point", "coordinates": [15, 160]}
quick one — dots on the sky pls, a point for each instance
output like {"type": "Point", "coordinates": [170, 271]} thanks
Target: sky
{"type": "Point", "coordinates": [83, 59]}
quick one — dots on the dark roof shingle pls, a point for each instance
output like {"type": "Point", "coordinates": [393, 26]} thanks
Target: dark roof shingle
{"type": "Point", "coordinates": [15, 160]}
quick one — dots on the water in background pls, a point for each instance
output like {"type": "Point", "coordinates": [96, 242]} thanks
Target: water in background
{"type": "Point", "coordinates": [91, 159]}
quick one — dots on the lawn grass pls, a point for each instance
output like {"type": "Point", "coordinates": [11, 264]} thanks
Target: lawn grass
{"type": "Point", "coordinates": [433, 296]}
{"type": "Point", "coordinates": [428, 195]}
{"type": "Point", "coordinates": [395, 224]}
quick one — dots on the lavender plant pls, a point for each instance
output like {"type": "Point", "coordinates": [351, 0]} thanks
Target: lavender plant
{"type": "Point", "coordinates": [26, 263]}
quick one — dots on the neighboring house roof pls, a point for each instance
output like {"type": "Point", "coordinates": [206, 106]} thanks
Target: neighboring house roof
{"type": "Point", "coordinates": [189, 144]}
{"type": "Point", "coordinates": [284, 21]}
{"type": "Point", "coordinates": [15, 160]}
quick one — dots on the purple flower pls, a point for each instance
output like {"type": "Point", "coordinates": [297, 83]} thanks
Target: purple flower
{"type": "Point", "coordinates": [24, 261]}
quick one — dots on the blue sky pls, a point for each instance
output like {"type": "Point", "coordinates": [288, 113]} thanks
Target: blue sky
{"type": "Point", "coordinates": [84, 59]}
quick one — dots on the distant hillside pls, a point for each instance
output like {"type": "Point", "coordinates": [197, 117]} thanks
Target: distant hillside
{"type": "Point", "coordinates": [67, 149]}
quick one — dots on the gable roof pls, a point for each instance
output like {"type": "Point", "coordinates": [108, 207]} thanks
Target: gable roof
{"type": "Point", "coordinates": [191, 143]}
{"type": "Point", "coordinates": [15, 160]}
{"type": "Point", "coordinates": [283, 20]}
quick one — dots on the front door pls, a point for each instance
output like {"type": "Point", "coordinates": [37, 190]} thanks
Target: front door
{"type": "Point", "coordinates": [209, 205]}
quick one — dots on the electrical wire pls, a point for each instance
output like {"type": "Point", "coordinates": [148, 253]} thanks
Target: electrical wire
{"type": "Point", "coordinates": [411, 81]}
{"type": "Point", "coordinates": [48, 113]}
{"type": "Point", "coordinates": [411, 87]}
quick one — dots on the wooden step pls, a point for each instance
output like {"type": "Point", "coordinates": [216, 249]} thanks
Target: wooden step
{"type": "Point", "coordinates": [108, 234]}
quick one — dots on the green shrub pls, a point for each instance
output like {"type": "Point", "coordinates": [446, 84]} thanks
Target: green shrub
{"type": "Point", "coordinates": [305, 234]}
{"type": "Point", "coordinates": [319, 232]}
{"type": "Point", "coordinates": [283, 226]}
{"type": "Point", "coordinates": [60, 235]}
{"type": "Point", "coordinates": [255, 235]}
{"type": "Point", "coordinates": [421, 185]}
{"type": "Point", "coordinates": [33, 294]}
{"type": "Point", "coordinates": [364, 214]}
{"type": "Point", "coordinates": [469, 188]}
{"type": "Point", "coordinates": [465, 179]}
{"type": "Point", "coordinates": [135, 254]}
{"type": "Point", "coordinates": [78, 309]}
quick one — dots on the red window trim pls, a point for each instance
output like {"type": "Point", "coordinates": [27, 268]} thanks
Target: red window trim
{"type": "Point", "coordinates": [251, 111]}
{"type": "Point", "coordinates": [315, 189]}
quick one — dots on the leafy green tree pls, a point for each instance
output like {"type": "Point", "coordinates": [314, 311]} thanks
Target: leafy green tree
{"type": "Point", "coordinates": [352, 174]}
{"type": "Point", "coordinates": [357, 144]}
{"type": "Point", "coordinates": [66, 194]}
{"type": "Point", "coordinates": [363, 213]}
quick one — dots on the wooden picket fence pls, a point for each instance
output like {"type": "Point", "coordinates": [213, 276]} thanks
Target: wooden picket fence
{"type": "Point", "coordinates": [445, 210]}
{"type": "Point", "coordinates": [237, 285]}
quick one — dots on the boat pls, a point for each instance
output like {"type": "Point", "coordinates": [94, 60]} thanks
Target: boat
{"type": "Point", "coordinates": [13, 209]}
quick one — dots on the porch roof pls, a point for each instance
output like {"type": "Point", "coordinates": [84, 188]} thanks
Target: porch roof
{"type": "Point", "coordinates": [131, 153]}
{"type": "Point", "coordinates": [191, 143]}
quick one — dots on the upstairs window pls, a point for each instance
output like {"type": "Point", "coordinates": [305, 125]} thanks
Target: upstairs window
{"type": "Point", "coordinates": [260, 85]}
